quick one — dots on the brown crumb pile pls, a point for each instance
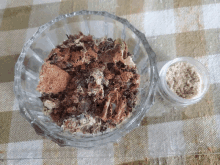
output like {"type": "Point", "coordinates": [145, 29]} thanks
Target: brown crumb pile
{"type": "Point", "coordinates": [89, 85]}
{"type": "Point", "coordinates": [183, 79]}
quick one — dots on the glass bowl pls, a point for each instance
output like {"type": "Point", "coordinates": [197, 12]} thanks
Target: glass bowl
{"type": "Point", "coordinates": [37, 48]}
{"type": "Point", "coordinates": [165, 91]}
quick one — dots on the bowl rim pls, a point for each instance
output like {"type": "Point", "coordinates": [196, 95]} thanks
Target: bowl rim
{"type": "Point", "coordinates": [19, 93]}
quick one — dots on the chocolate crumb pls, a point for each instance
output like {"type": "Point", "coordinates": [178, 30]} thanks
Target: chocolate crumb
{"type": "Point", "coordinates": [90, 86]}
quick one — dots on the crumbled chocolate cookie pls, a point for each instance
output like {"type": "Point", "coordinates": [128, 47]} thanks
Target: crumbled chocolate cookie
{"type": "Point", "coordinates": [89, 85]}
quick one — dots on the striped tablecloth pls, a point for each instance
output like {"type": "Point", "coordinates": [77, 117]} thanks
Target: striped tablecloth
{"type": "Point", "coordinates": [167, 135]}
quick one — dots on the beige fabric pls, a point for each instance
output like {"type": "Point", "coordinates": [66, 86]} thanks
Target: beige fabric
{"type": "Point", "coordinates": [167, 135]}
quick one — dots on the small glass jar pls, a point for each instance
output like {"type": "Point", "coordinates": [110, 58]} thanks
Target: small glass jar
{"type": "Point", "coordinates": [169, 95]}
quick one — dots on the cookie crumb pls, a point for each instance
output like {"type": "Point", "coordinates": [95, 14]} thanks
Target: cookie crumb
{"type": "Point", "coordinates": [88, 85]}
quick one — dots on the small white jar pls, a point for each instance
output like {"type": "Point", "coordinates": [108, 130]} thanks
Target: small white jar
{"type": "Point", "coordinates": [169, 95]}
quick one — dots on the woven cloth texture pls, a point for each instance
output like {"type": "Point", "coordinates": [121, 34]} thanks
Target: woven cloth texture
{"type": "Point", "coordinates": [167, 135]}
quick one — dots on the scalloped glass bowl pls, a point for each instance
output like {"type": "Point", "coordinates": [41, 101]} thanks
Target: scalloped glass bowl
{"type": "Point", "coordinates": [38, 47]}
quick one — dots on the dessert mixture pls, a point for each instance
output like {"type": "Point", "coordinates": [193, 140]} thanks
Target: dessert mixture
{"type": "Point", "coordinates": [89, 85]}
{"type": "Point", "coordinates": [183, 79]}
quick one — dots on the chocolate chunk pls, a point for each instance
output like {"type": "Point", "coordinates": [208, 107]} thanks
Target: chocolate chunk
{"type": "Point", "coordinates": [54, 61]}
{"type": "Point", "coordinates": [130, 103]}
{"type": "Point", "coordinates": [124, 55]}
{"type": "Point", "coordinates": [120, 65]}
{"type": "Point", "coordinates": [62, 50]}
{"type": "Point", "coordinates": [103, 128]}
{"type": "Point", "coordinates": [59, 46]}
{"type": "Point", "coordinates": [92, 79]}
{"type": "Point", "coordinates": [116, 71]}
{"type": "Point", "coordinates": [92, 60]}
{"type": "Point", "coordinates": [54, 96]}
{"type": "Point", "coordinates": [110, 39]}
{"type": "Point", "coordinates": [80, 98]}
{"type": "Point", "coordinates": [135, 92]}
{"type": "Point", "coordinates": [65, 42]}
{"type": "Point", "coordinates": [52, 56]}
{"type": "Point", "coordinates": [106, 46]}
{"type": "Point", "coordinates": [55, 116]}
{"type": "Point", "coordinates": [110, 66]}
{"type": "Point", "coordinates": [133, 71]}
{"type": "Point", "coordinates": [75, 48]}
{"type": "Point", "coordinates": [45, 95]}
{"type": "Point", "coordinates": [129, 54]}
{"type": "Point", "coordinates": [99, 52]}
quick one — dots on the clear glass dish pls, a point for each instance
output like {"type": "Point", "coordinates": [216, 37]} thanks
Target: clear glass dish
{"type": "Point", "coordinates": [38, 47]}
{"type": "Point", "coordinates": [167, 94]}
